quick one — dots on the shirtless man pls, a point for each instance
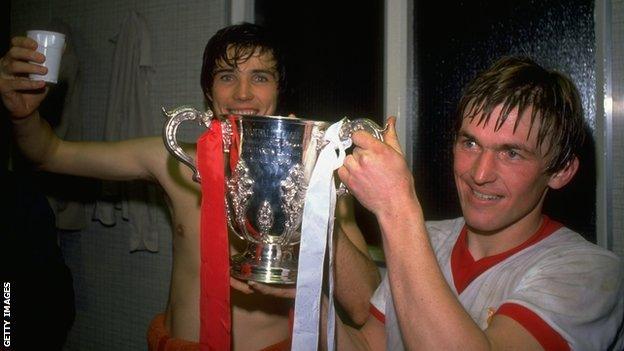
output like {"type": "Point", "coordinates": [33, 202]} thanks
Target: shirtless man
{"type": "Point", "coordinates": [242, 73]}
{"type": "Point", "coordinates": [504, 275]}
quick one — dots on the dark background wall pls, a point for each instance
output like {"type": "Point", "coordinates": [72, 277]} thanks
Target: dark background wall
{"type": "Point", "coordinates": [336, 70]}
{"type": "Point", "coordinates": [335, 51]}
{"type": "Point", "coordinates": [453, 41]}
{"type": "Point", "coordinates": [335, 66]}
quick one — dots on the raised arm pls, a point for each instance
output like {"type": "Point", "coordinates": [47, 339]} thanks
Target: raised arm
{"type": "Point", "coordinates": [21, 96]}
{"type": "Point", "coordinates": [429, 314]}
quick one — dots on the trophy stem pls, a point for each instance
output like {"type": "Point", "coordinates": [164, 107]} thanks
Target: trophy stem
{"type": "Point", "coordinates": [266, 263]}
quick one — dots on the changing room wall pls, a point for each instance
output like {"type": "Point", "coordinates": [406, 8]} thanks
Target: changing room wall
{"type": "Point", "coordinates": [118, 292]}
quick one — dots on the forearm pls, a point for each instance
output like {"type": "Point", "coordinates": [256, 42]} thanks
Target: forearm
{"type": "Point", "coordinates": [428, 312]}
{"type": "Point", "coordinates": [356, 278]}
{"type": "Point", "coordinates": [35, 139]}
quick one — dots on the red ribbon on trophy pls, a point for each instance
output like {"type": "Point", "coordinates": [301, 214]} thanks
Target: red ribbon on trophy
{"type": "Point", "coordinates": [214, 303]}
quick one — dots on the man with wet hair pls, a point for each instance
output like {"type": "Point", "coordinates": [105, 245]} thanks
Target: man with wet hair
{"type": "Point", "coordinates": [235, 44]}
{"type": "Point", "coordinates": [504, 275]}
{"type": "Point", "coordinates": [243, 73]}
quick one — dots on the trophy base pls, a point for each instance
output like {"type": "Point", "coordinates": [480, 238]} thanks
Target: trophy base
{"type": "Point", "coordinates": [265, 263]}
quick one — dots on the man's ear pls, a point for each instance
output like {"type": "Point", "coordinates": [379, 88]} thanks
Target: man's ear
{"type": "Point", "coordinates": [562, 177]}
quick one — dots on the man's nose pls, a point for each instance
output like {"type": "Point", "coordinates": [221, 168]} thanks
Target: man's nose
{"type": "Point", "coordinates": [243, 91]}
{"type": "Point", "coordinates": [484, 167]}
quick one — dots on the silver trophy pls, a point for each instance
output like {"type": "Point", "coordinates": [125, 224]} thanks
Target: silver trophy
{"type": "Point", "coordinates": [265, 192]}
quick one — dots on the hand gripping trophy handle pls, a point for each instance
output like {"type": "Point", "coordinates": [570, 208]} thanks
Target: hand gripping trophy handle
{"type": "Point", "coordinates": [346, 131]}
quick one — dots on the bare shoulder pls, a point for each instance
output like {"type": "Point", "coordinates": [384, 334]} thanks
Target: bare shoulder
{"type": "Point", "coordinates": [151, 153]}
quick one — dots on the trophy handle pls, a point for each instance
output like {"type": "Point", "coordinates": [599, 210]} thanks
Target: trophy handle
{"type": "Point", "coordinates": [176, 117]}
{"type": "Point", "coordinates": [348, 128]}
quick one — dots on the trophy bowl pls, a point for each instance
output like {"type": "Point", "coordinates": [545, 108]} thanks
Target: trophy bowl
{"type": "Point", "coordinates": [266, 185]}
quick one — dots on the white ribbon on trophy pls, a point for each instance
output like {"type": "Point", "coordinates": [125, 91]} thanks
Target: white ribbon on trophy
{"type": "Point", "coordinates": [316, 235]}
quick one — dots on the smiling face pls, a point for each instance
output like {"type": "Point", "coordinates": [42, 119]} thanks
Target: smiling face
{"type": "Point", "coordinates": [500, 175]}
{"type": "Point", "coordinates": [250, 88]}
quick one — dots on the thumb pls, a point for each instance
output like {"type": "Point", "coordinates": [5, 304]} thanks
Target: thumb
{"type": "Point", "coordinates": [390, 136]}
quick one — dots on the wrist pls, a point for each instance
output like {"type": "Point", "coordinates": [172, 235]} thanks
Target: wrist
{"type": "Point", "coordinates": [401, 216]}
{"type": "Point", "coordinates": [406, 203]}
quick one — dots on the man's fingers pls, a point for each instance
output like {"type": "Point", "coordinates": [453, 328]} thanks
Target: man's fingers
{"type": "Point", "coordinates": [26, 54]}
{"type": "Point", "coordinates": [343, 174]}
{"type": "Point", "coordinates": [21, 84]}
{"type": "Point", "coordinates": [25, 42]}
{"type": "Point", "coordinates": [364, 140]}
{"type": "Point", "coordinates": [250, 287]}
{"type": "Point", "coordinates": [20, 68]}
{"type": "Point", "coordinates": [350, 161]}
{"type": "Point", "coordinates": [390, 136]}
{"type": "Point", "coordinates": [284, 292]}
{"type": "Point", "coordinates": [240, 286]}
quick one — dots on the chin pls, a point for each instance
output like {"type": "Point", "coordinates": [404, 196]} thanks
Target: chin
{"type": "Point", "coordinates": [479, 222]}
{"type": "Point", "coordinates": [482, 229]}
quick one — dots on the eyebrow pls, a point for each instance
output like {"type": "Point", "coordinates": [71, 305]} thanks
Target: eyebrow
{"type": "Point", "coordinates": [504, 146]}
{"type": "Point", "coordinates": [272, 72]}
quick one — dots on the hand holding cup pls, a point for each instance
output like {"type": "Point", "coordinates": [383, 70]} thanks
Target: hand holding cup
{"type": "Point", "coordinates": [51, 45]}
{"type": "Point", "coordinates": [21, 95]}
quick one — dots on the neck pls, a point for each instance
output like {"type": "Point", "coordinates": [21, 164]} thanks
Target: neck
{"type": "Point", "coordinates": [488, 243]}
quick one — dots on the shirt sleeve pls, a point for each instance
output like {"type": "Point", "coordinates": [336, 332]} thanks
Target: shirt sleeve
{"type": "Point", "coordinates": [542, 331]}
{"type": "Point", "coordinates": [578, 293]}
{"type": "Point", "coordinates": [379, 300]}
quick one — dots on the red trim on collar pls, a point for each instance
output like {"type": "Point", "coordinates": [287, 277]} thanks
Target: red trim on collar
{"type": "Point", "coordinates": [465, 269]}
{"type": "Point", "coordinates": [377, 314]}
{"type": "Point", "coordinates": [541, 331]}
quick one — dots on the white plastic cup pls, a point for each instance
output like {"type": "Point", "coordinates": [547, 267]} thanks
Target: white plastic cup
{"type": "Point", "coordinates": [51, 45]}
